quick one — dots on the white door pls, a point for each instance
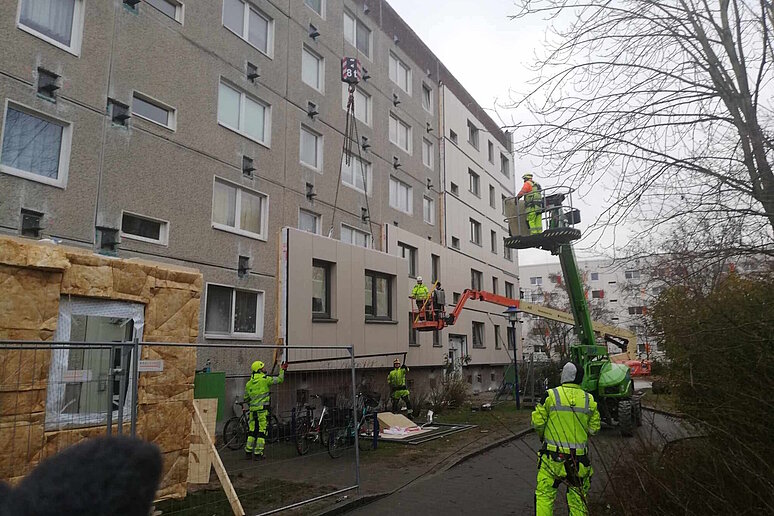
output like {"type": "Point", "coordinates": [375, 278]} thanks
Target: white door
{"type": "Point", "coordinates": [457, 350]}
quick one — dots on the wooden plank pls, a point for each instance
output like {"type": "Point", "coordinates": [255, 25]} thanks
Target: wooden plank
{"type": "Point", "coordinates": [199, 459]}
{"type": "Point", "coordinates": [220, 469]}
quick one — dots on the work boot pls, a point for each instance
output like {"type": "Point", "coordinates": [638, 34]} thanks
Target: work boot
{"type": "Point", "coordinates": [248, 455]}
{"type": "Point", "coordinates": [259, 457]}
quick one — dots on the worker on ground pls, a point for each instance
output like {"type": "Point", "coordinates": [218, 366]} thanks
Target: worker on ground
{"type": "Point", "coordinates": [398, 391]}
{"type": "Point", "coordinates": [258, 395]}
{"type": "Point", "coordinates": [564, 422]}
{"type": "Point", "coordinates": [532, 203]}
{"type": "Point", "coordinates": [419, 293]}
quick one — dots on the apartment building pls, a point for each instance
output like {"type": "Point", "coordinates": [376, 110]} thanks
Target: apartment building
{"type": "Point", "coordinates": [193, 131]}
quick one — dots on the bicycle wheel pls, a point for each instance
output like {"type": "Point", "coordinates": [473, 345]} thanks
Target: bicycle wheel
{"type": "Point", "coordinates": [337, 441]}
{"type": "Point", "coordinates": [365, 438]}
{"type": "Point", "coordinates": [234, 433]}
{"type": "Point", "coordinates": [303, 434]}
{"type": "Point", "coordinates": [273, 429]}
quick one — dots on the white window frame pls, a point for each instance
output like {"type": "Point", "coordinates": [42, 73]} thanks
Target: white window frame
{"type": "Point", "coordinates": [396, 64]}
{"type": "Point", "coordinates": [266, 118]}
{"type": "Point", "coordinates": [474, 178]}
{"type": "Point", "coordinates": [429, 107]}
{"type": "Point", "coordinates": [246, 27]}
{"type": "Point", "coordinates": [506, 159]}
{"type": "Point", "coordinates": [357, 170]}
{"type": "Point", "coordinates": [55, 391]}
{"type": "Point", "coordinates": [428, 202]}
{"type": "Point", "coordinates": [368, 101]}
{"type": "Point", "coordinates": [474, 135]}
{"type": "Point", "coordinates": [179, 10]}
{"type": "Point", "coordinates": [490, 151]}
{"type": "Point", "coordinates": [318, 221]}
{"type": "Point", "coordinates": [401, 188]}
{"type": "Point", "coordinates": [320, 69]}
{"type": "Point", "coordinates": [237, 208]}
{"type": "Point", "coordinates": [172, 118]}
{"type": "Point", "coordinates": [475, 231]}
{"type": "Point", "coordinates": [368, 235]}
{"type": "Point", "coordinates": [536, 280]}
{"type": "Point", "coordinates": [319, 149]}
{"type": "Point", "coordinates": [163, 233]}
{"type": "Point", "coordinates": [259, 314]}
{"type": "Point", "coordinates": [409, 133]}
{"type": "Point", "coordinates": [321, 14]}
{"type": "Point", "coordinates": [427, 146]}
{"type": "Point", "coordinates": [65, 146]}
{"type": "Point", "coordinates": [355, 22]}
{"type": "Point", "coordinates": [76, 31]}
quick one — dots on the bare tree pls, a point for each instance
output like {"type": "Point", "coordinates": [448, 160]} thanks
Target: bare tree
{"type": "Point", "coordinates": [666, 104]}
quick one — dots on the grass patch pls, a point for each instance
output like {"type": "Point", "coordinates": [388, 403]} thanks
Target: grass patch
{"type": "Point", "coordinates": [667, 402]}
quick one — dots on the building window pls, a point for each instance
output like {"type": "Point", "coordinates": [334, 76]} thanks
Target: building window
{"type": "Point", "coordinates": [505, 165]}
{"type": "Point", "coordinates": [632, 275]}
{"type": "Point", "coordinates": [508, 253]}
{"type": "Point", "coordinates": [362, 103]}
{"type": "Point", "coordinates": [401, 196]}
{"type": "Point", "coordinates": [321, 289]}
{"type": "Point", "coordinates": [57, 22]}
{"type": "Point", "coordinates": [427, 153]}
{"type": "Point", "coordinates": [400, 133]}
{"type": "Point", "coordinates": [475, 231]}
{"type": "Point", "coordinates": [637, 310]}
{"type": "Point", "coordinates": [428, 210]}
{"type": "Point", "coordinates": [474, 183]}
{"type": "Point", "coordinates": [452, 136]}
{"type": "Point", "coordinates": [436, 267]}
{"type": "Point", "coordinates": [233, 312]}
{"type": "Point", "coordinates": [597, 294]}
{"type": "Point", "coordinates": [409, 253]}
{"type": "Point", "coordinates": [356, 174]}
{"type": "Point", "coordinates": [239, 210]}
{"type": "Point", "coordinates": [243, 114]}
{"type": "Point", "coordinates": [145, 229]}
{"type": "Point", "coordinates": [400, 73]}
{"type": "Point", "coordinates": [249, 24]}
{"type": "Point", "coordinates": [490, 151]}
{"type": "Point", "coordinates": [509, 292]}
{"type": "Point", "coordinates": [594, 276]}
{"type": "Point", "coordinates": [171, 8]}
{"type": "Point", "coordinates": [354, 236]}
{"type": "Point", "coordinates": [455, 190]}
{"type": "Point", "coordinates": [378, 296]}
{"type": "Point", "coordinates": [476, 279]}
{"type": "Point", "coordinates": [309, 222]}
{"type": "Point", "coordinates": [478, 335]}
{"type": "Point", "coordinates": [312, 69]}
{"type": "Point", "coordinates": [536, 280]}
{"type": "Point", "coordinates": [498, 340]}
{"type": "Point", "coordinates": [456, 297]}
{"type": "Point", "coordinates": [35, 146]}
{"type": "Point", "coordinates": [317, 6]}
{"type": "Point", "coordinates": [427, 98]}
{"type": "Point", "coordinates": [77, 381]}
{"type": "Point", "coordinates": [502, 203]}
{"type": "Point", "coordinates": [495, 285]}
{"type": "Point", "coordinates": [492, 197]}
{"type": "Point", "coordinates": [153, 111]}
{"type": "Point", "coordinates": [357, 34]}
{"type": "Point", "coordinates": [311, 149]}
{"type": "Point", "coordinates": [472, 135]}
{"type": "Point", "coordinates": [493, 241]}
{"type": "Point", "coordinates": [436, 339]}
{"type": "Point", "coordinates": [455, 242]}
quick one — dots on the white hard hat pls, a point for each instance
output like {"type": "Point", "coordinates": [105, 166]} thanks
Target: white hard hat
{"type": "Point", "coordinates": [419, 279]}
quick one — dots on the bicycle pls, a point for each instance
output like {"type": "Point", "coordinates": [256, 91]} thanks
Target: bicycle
{"type": "Point", "coordinates": [342, 437]}
{"type": "Point", "coordinates": [310, 429]}
{"type": "Point", "coordinates": [237, 428]}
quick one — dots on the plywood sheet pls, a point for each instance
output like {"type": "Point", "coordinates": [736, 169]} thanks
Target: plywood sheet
{"type": "Point", "coordinates": [390, 420]}
{"type": "Point", "coordinates": [199, 457]}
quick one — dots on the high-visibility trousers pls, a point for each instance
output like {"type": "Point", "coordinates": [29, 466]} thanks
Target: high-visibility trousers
{"type": "Point", "coordinates": [551, 474]}
{"type": "Point", "coordinates": [534, 221]}
{"type": "Point", "coordinates": [256, 436]}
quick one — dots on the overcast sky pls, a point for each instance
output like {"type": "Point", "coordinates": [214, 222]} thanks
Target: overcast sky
{"type": "Point", "coordinates": [490, 55]}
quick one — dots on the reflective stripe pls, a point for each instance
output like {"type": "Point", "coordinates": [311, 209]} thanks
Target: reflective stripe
{"type": "Point", "coordinates": [586, 406]}
{"type": "Point", "coordinates": [557, 398]}
{"type": "Point", "coordinates": [569, 409]}
{"type": "Point", "coordinates": [568, 446]}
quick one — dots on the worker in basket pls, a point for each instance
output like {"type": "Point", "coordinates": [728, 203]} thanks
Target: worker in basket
{"type": "Point", "coordinates": [258, 395]}
{"type": "Point", "coordinates": [419, 294]}
{"type": "Point", "coordinates": [531, 192]}
{"type": "Point", "coordinates": [564, 422]}
{"type": "Point", "coordinates": [398, 390]}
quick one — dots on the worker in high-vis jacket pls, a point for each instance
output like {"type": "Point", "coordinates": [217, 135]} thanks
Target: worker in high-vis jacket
{"type": "Point", "coordinates": [419, 293]}
{"type": "Point", "coordinates": [533, 203]}
{"type": "Point", "coordinates": [564, 422]}
{"type": "Point", "coordinates": [258, 395]}
{"type": "Point", "coordinates": [398, 390]}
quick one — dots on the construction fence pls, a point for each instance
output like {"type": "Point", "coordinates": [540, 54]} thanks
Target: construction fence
{"type": "Point", "coordinates": [55, 394]}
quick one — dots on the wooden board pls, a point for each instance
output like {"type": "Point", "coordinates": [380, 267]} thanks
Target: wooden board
{"type": "Point", "coordinates": [199, 458]}
{"type": "Point", "coordinates": [228, 488]}
{"type": "Point", "coordinates": [389, 420]}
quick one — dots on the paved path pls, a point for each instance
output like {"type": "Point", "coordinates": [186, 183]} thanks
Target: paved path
{"type": "Point", "coordinates": [502, 481]}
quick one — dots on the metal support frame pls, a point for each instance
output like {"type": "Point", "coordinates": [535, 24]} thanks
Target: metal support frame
{"type": "Point", "coordinates": [354, 419]}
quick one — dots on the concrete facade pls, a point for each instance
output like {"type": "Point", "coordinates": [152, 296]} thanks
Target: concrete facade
{"type": "Point", "coordinates": [170, 173]}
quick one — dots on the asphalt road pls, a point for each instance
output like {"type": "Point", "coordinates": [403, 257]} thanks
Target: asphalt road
{"type": "Point", "coordinates": [502, 481]}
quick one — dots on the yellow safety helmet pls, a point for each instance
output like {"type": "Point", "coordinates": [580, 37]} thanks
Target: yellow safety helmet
{"type": "Point", "coordinates": [526, 176]}
{"type": "Point", "coordinates": [257, 366]}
